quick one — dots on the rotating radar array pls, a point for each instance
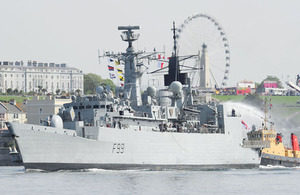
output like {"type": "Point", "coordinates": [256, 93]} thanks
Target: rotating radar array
{"type": "Point", "coordinates": [203, 35]}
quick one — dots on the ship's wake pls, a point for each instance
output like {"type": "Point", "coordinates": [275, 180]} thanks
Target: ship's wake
{"type": "Point", "coordinates": [277, 167]}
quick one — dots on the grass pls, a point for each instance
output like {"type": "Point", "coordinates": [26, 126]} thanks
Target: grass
{"type": "Point", "coordinates": [224, 98]}
{"type": "Point", "coordinates": [19, 99]}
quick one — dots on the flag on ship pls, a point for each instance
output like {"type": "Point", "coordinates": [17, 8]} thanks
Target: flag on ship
{"type": "Point", "coordinates": [117, 62]}
{"type": "Point", "coordinates": [245, 125]}
{"type": "Point", "coordinates": [112, 76]}
{"type": "Point", "coordinates": [121, 78]}
{"type": "Point", "coordinates": [110, 60]}
{"type": "Point", "coordinates": [120, 70]}
{"type": "Point", "coordinates": [160, 64]}
{"type": "Point", "coordinates": [110, 68]}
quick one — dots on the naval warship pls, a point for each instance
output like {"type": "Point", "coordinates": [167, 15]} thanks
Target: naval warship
{"type": "Point", "coordinates": [173, 128]}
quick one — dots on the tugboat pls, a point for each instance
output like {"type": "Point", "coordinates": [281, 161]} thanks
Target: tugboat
{"type": "Point", "coordinates": [272, 150]}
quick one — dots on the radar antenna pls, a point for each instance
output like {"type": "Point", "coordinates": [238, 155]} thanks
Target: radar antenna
{"type": "Point", "coordinates": [128, 34]}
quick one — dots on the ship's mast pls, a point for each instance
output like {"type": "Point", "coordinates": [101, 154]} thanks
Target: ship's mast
{"type": "Point", "coordinates": [265, 119]}
{"type": "Point", "coordinates": [132, 71]}
{"type": "Point", "coordinates": [175, 52]}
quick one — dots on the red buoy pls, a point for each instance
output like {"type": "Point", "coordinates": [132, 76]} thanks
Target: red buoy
{"type": "Point", "coordinates": [295, 142]}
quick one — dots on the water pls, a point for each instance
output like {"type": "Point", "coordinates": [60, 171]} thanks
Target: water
{"type": "Point", "coordinates": [276, 180]}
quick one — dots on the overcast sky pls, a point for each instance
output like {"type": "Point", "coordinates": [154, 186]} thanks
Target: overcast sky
{"type": "Point", "coordinates": [264, 36]}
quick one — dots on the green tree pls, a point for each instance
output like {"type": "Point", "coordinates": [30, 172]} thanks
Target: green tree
{"type": "Point", "coordinates": [40, 89]}
{"type": "Point", "coordinates": [77, 91]}
{"type": "Point", "coordinates": [57, 91]}
{"type": "Point", "coordinates": [9, 90]}
{"type": "Point", "coordinates": [44, 90]}
{"type": "Point", "coordinates": [91, 81]}
{"type": "Point", "coordinates": [15, 91]}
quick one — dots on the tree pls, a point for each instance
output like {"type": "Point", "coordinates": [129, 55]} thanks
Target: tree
{"type": "Point", "coordinates": [57, 91]}
{"type": "Point", "coordinates": [91, 81]}
{"type": "Point", "coordinates": [44, 90]}
{"type": "Point", "coordinates": [40, 89]}
{"type": "Point", "coordinates": [9, 90]}
{"type": "Point", "coordinates": [77, 91]}
{"type": "Point", "coordinates": [15, 91]}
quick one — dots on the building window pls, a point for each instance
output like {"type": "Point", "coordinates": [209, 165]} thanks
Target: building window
{"type": "Point", "coordinates": [16, 116]}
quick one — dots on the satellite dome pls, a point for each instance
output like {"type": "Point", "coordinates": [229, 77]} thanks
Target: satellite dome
{"type": "Point", "coordinates": [175, 86]}
{"type": "Point", "coordinates": [56, 121]}
{"type": "Point", "coordinates": [151, 91]}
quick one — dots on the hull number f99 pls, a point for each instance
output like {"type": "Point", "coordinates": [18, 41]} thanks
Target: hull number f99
{"type": "Point", "coordinates": [118, 148]}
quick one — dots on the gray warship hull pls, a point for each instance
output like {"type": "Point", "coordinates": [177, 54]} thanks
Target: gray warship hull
{"type": "Point", "coordinates": [50, 148]}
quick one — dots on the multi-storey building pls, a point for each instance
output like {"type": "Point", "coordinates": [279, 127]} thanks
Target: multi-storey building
{"type": "Point", "coordinates": [38, 109]}
{"type": "Point", "coordinates": [37, 75]}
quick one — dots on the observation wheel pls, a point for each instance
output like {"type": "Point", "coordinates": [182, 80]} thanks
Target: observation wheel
{"type": "Point", "coordinates": [201, 34]}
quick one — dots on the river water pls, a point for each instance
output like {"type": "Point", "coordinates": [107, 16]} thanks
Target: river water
{"type": "Point", "coordinates": [264, 180]}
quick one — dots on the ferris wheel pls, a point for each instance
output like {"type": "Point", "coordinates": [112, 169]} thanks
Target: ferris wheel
{"type": "Point", "coordinates": [202, 33]}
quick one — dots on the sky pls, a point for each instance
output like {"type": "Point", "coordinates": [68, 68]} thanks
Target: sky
{"type": "Point", "coordinates": [263, 36]}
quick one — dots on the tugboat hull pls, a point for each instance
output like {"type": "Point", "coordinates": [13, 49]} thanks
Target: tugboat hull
{"type": "Point", "coordinates": [274, 160]}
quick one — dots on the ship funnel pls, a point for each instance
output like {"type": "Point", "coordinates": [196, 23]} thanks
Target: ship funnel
{"type": "Point", "coordinates": [295, 142]}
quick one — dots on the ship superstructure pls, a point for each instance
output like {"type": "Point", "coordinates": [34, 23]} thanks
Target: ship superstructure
{"type": "Point", "coordinates": [128, 130]}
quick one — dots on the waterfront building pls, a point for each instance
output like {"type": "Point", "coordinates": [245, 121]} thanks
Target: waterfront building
{"type": "Point", "coordinates": [35, 76]}
{"type": "Point", "coordinates": [270, 84]}
{"type": "Point", "coordinates": [271, 88]}
{"type": "Point", "coordinates": [246, 84]}
{"type": "Point", "coordinates": [245, 87]}
{"type": "Point", "coordinates": [39, 108]}
{"type": "Point", "coordinates": [11, 112]}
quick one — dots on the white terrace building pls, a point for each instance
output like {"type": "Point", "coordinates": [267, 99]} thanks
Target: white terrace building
{"type": "Point", "coordinates": [49, 76]}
